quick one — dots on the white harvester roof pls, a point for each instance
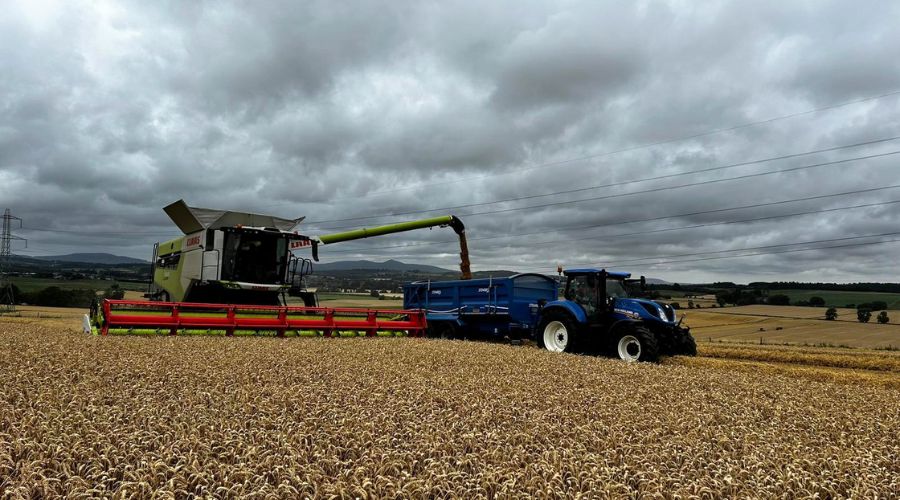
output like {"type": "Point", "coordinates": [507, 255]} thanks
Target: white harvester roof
{"type": "Point", "coordinates": [193, 219]}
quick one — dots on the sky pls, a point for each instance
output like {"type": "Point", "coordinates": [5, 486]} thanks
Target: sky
{"type": "Point", "coordinates": [625, 135]}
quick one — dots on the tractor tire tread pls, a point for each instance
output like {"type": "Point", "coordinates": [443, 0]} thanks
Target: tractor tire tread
{"type": "Point", "coordinates": [650, 345]}
{"type": "Point", "coordinates": [570, 324]}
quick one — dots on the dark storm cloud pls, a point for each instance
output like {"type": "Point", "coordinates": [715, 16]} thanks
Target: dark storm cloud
{"type": "Point", "coordinates": [109, 111]}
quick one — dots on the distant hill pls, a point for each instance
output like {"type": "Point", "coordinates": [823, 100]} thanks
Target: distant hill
{"type": "Point", "coordinates": [91, 258]}
{"type": "Point", "coordinates": [388, 265]}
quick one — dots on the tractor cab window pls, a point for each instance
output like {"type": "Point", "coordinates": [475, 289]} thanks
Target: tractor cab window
{"type": "Point", "coordinates": [583, 290]}
{"type": "Point", "coordinates": [615, 289]}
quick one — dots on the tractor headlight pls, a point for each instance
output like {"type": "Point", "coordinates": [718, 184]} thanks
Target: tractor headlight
{"type": "Point", "coordinates": [662, 314]}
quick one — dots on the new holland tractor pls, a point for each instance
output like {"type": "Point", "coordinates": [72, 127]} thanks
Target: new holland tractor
{"type": "Point", "coordinates": [228, 257]}
{"type": "Point", "coordinates": [597, 314]}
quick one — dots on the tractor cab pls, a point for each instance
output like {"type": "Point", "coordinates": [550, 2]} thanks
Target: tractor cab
{"type": "Point", "coordinates": [597, 310]}
{"type": "Point", "coordinates": [595, 290]}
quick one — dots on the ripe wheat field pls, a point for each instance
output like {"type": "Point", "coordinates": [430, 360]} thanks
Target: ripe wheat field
{"type": "Point", "coordinates": [87, 416]}
{"type": "Point", "coordinates": [788, 324]}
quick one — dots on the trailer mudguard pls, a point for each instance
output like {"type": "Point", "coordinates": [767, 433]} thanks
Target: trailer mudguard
{"type": "Point", "coordinates": [575, 310]}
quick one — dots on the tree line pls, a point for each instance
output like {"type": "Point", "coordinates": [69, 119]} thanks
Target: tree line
{"type": "Point", "coordinates": [54, 296]}
{"type": "Point", "coordinates": [837, 287]}
{"type": "Point", "coordinates": [711, 288]}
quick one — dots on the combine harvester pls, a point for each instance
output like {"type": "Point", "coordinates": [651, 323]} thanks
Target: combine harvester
{"type": "Point", "coordinates": [232, 272]}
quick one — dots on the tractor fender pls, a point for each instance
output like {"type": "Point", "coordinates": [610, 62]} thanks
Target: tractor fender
{"type": "Point", "coordinates": [623, 323]}
{"type": "Point", "coordinates": [565, 306]}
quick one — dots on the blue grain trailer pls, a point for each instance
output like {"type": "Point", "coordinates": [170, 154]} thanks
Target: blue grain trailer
{"type": "Point", "coordinates": [505, 307]}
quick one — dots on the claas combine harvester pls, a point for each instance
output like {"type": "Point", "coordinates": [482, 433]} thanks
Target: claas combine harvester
{"type": "Point", "coordinates": [233, 272]}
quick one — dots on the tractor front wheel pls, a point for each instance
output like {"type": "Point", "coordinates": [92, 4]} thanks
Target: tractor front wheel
{"type": "Point", "coordinates": [557, 333]}
{"type": "Point", "coordinates": [686, 346]}
{"type": "Point", "coordinates": [637, 344]}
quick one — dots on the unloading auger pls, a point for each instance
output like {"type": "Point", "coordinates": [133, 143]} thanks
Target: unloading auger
{"type": "Point", "coordinates": [450, 221]}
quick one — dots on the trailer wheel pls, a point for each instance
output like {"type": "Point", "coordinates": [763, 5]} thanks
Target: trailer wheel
{"type": "Point", "coordinates": [557, 333]}
{"type": "Point", "coordinates": [443, 330]}
{"type": "Point", "coordinates": [637, 344]}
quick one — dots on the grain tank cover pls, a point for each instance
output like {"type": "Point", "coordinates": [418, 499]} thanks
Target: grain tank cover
{"type": "Point", "coordinates": [193, 219]}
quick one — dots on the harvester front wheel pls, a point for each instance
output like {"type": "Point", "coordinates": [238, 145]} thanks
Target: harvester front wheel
{"type": "Point", "coordinates": [557, 333]}
{"type": "Point", "coordinates": [637, 344]}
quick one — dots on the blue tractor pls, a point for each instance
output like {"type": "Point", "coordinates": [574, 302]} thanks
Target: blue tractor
{"type": "Point", "coordinates": [598, 314]}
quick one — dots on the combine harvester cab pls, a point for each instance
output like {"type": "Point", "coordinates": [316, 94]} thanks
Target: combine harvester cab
{"type": "Point", "coordinates": [225, 257]}
{"type": "Point", "coordinates": [232, 271]}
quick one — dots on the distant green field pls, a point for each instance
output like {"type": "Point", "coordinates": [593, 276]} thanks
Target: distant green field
{"type": "Point", "coordinates": [832, 298]}
{"type": "Point", "coordinates": [332, 299]}
{"type": "Point", "coordinates": [841, 298]}
{"type": "Point", "coordinates": [28, 284]}
{"type": "Point", "coordinates": [677, 294]}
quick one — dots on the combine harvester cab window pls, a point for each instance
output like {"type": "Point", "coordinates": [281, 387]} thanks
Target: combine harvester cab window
{"type": "Point", "coordinates": [254, 257]}
{"type": "Point", "coordinates": [168, 261]}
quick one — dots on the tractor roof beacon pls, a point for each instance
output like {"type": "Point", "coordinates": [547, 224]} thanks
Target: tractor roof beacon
{"type": "Point", "coordinates": [596, 313]}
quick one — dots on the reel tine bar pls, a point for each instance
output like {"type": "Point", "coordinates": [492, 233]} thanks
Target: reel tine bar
{"type": "Point", "coordinates": [175, 316]}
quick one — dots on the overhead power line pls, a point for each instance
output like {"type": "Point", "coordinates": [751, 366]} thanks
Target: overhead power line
{"type": "Point", "coordinates": [763, 247]}
{"type": "Point", "coordinates": [779, 252]}
{"type": "Point", "coordinates": [665, 188]}
{"type": "Point", "coordinates": [754, 254]}
{"type": "Point", "coordinates": [614, 184]}
{"type": "Point", "coordinates": [625, 150]}
{"type": "Point", "coordinates": [555, 193]}
{"type": "Point", "coordinates": [663, 217]}
{"type": "Point", "coordinates": [710, 224]}
{"type": "Point", "coordinates": [99, 233]}
{"type": "Point", "coordinates": [684, 228]}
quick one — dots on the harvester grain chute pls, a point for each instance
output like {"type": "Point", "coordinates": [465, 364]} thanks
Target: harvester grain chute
{"type": "Point", "coordinates": [232, 271]}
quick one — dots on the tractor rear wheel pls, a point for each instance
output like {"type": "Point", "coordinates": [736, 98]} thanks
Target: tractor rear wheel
{"type": "Point", "coordinates": [637, 344]}
{"type": "Point", "coordinates": [557, 333]}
